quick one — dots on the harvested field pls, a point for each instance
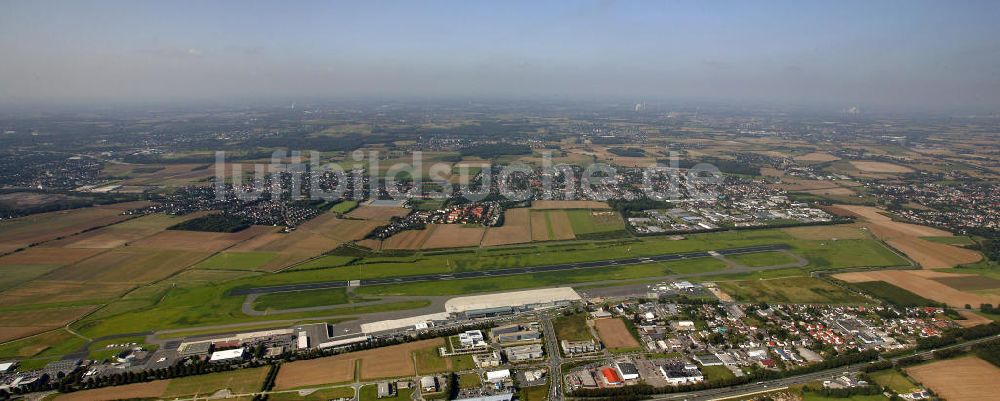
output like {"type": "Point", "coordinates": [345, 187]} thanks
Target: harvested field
{"type": "Point", "coordinates": [289, 248]}
{"type": "Point", "coordinates": [37, 228]}
{"type": "Point", "coordinates": [834, 191]}
{"type": "Point", "coordinates": [821, 233]}
{"type": "Point", "coordinates": [539, 226]}
{"type": "Point", "coordinates": [932, 255]}
{"type": "Point", "coordinates": [381, 213]}
{"type": "Point", "coordinates": [917, 284]}
{"type": "Point", "coordinates": [562, 229]}
{"type": "Point", "coordinates": [52, 291]}
{"type": "Point", "coordinates": [330, 226]}
{"type": "Point", "coordinates": [385, 362]}
{"type": "Point", "coordinates": [970, 282]}
{"type": "Point", "coordinates": [817, 157]}
{"type": "Point", "coordinates": [614, 334]}
{"type": "Point", "coordinates": [410, 239]}
{"type": "Point", "coordinates": [14, 325]}
{"type": "Point", "coordinates": [199, 241]}
{"type": "Point", "coordinates": [577, 204]}
{"type": "Point", "coordinates": [905, 238]}
{"type": "Point", "coordinates": [879, 167]}
{"type": "Point", "coordinates": [151, 389]}
{"type": "Point", "coordinates": [239, 381]}
{"type": "Point", "coordinates": [130, 265]}
{"type": "Point", "coordinates": [972, 319]}
{"type": "Point", "coordinates": [960, 379]}
{"type": "Point", "coordinates": [516, 229]}
{"type": "Point", "coordinates": [48, 256]}
{"type": "Point", "coordinates": [455, 236]}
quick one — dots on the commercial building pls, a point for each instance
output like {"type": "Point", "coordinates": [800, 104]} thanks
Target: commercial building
{"type": "Point", "coordinates": [611, 378]}
{"type": "Point", "coordinates": [627, 370]}
{"type": "Point", "coordinates": [429, 384]}
{"type": "Point", "coordinates": [386, 389]}
{"type": "Point", "coordinates": [227, 355]}
{"type": "Point", "coordinates": [495, 376]}
{"type": "Point", "coordinates": [471, 339]}
{"type": "Point", "coordinates": [488, 305]}
{"type": "Point", "coordinates": [524, 352]}
{"type": "Point", "coordinates": [490, 360]}
{"type": "Point", "coordinates": [677, 373]}
{"type": "Point", "coordinates": [578, 347]}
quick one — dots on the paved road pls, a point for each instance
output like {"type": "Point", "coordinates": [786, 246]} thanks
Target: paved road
{"type": "Point", "coordinates": [555, 358]}
{"type": "Point", "coordinates": [507, 272]}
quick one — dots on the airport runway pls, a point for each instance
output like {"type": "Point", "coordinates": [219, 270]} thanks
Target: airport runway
{"type": "Point", "coordinates": [507, 272]}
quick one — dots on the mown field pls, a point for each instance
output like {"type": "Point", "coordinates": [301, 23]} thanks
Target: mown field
{"type": "Point", "coordinates": [789, 290]}
{"type": "Point", "coordinates": [892, 294]}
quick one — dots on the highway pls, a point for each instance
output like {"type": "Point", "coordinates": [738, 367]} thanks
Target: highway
{"type": "Point", "coordinates": [507, 272]}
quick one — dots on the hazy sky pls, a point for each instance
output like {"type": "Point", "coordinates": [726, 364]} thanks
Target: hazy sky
{"type": "Point", "coordinates": [943, 55]}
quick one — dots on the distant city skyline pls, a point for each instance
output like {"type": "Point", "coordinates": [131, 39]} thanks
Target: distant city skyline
{"type": "Point", "coordinates": [895, 55]}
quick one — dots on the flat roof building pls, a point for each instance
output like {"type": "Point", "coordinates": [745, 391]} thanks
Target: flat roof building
{"type": "Point", "coordinates": [227, 355]}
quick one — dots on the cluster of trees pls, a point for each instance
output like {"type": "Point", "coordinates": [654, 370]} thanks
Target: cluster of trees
{"type": "Point", "coordinates": [494, 150]}
{"type": "Point", "coordinates": [844, 392]}
{"type": "Point", "coordinates": [217, 223]}
{"type": "Point", "coordinates": [272, 375]}
{"type": "Point", "coordinates": [724, 165]}
{"type": "Point", "coordinates": [989, 351]}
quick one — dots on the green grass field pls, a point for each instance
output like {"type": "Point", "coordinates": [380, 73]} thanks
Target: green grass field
{"type": "Point", "coordinates": [892, 294]}
{"type": "Point", "coordinates": [584, 222]}
{"type": "Point", "coordinates": [469, 380]}
{"type": "Point", "coordinates": [894, 380]}
{"type": "Point", "coordinates": [236, 260]}
{"type": "Point", "coordinates": [238, 381]}
{"type": "Point", "coordinates": [428, 361]}
{"type": "Point", "coordinates": [789, 290]}
{"type": "Point", "coordinates": [959, 240]}
{"type": "Point", "coordinates": [537, 393]}
{"type": "Point", "coordinates": [760, 259]}
{"type": "Point", "coordinates": [302, 299]}
{"type": "Point", "coordinates": [572, 328]}
{"type": "Point", "coordinates": [817, 397]}
{"type": "Point", "coordinates": [344, 207]}
{"type": "Point", "coordinates": [183, 301]}
{"type": "Point", "coordinates": [14, 275]}
{"type": "Point", "coordinates": [716, 373]}
{"type": "Point", "coordinates": [319, 395]}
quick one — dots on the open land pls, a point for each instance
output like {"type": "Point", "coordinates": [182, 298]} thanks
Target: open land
{"type": "Point", "coordinates": [960, 379]}
{"type": "Point", "coordinates": [614, 334]}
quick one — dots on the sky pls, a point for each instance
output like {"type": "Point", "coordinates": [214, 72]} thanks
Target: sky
{"type": "Point", "coordinates": [940, 55]}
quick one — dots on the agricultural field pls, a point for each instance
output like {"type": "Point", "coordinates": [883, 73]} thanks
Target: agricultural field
{"type": "Point", "coordinates": [892, 294]}
{"type": "Point", "coordinates": [925, 284]}
{"type": "Point", "coordinates": [16, 324]}
{"type": "Point", "coordinates": [586, 222]}
{"type": "Point", "coordinates": [908, 239]}
{"type": "Point", "coordinates": [805, 290]}
{"type": "Point", "coordinates": [455, 236]}
{"type": "Point", "coordinates": [615, 335]}
{"type": "Point", "coordinates": [153, 389]}
{"type": "Point", "coordinates": [240, 381]}
{"type": "Point", "coordinates": [376, 363]}
{"type": "Point", "coordinates": [24, 231]}
{"type": "Point", "coordinates": [568, 204]}
{"type": "Point", "coordinates": [378, 213]}
{"type": "Point", "coordinates": [344, 207]}
{"type": "Point", "coordinates": [237, 260]}
{"type": "Point", "coordinates": [516, 229]}
{"type": "Point", "coordinates": [966, 378]}
{"type": "Point", "coordinates": [879, 167]}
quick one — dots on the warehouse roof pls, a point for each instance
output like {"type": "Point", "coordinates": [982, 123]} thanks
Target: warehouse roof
{"type": "Point", "coordinates": [511, 299]}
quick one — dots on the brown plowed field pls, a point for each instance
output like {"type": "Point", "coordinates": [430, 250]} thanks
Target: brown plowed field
{"type": "Point", "coordinates": [409, 239]}
{"type": "Point", "coordinates": [392, 361]}
{"type": "Point", "coordinates": [48, 256]}
{"type": "Point", "coordinates": [454, 236]}
{"type": "Point", "coordinates": [925, 287]}
{"type": "Point", "coordinates": [614, 334]}
{"type": "Point", "coordinates": [960, 379]}
{"type": "Point", "coordinates": [516, 229]}
{"type": "Point", "coordinates": [381, 213]}
{"type": "Point", "coordinates": [539, 227]}
{"type": "Point", "coordinates": [879, 167]}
